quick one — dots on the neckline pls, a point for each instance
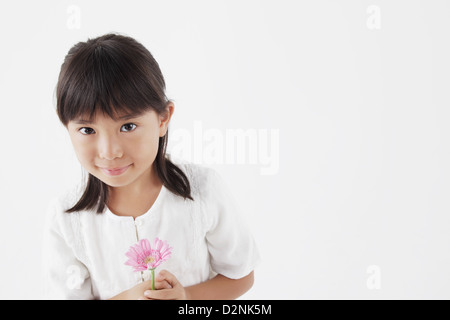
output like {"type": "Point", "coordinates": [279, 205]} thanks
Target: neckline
{"type": "Point", "coordinates": [149, 212]}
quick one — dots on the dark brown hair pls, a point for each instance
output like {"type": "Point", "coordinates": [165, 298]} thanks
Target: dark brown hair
{"type": "Point", "coordinates": [115, 74]}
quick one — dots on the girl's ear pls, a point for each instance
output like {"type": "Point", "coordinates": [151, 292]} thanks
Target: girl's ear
{"type": "Point", "coordinates": [164, 119]}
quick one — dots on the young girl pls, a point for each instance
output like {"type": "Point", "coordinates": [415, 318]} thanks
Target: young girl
{"type": "Point", "coordinates": [111, 99]}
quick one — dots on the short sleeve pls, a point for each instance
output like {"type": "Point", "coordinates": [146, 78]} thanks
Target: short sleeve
{"type": "Point", "coordinates": [232, 248]}
{"type": "Point", "coordinates": [64, 276]}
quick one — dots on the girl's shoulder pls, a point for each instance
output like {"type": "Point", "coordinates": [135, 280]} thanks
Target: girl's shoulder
{"type": "Point", "coordinates": [206, 183]}
{"type": "Point", "coordinates": [201, 177]}
{"type": "Point", "coordinates": [68, 196]}
{"type": "Point", "coordinates": [56, 218]}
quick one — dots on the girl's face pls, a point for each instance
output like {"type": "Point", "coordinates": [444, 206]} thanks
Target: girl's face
{"type": "Point", "coordinates": [129, 143]}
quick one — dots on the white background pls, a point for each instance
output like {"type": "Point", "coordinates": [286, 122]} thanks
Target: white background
{"type": "Point", "coordinates": [362, 115]}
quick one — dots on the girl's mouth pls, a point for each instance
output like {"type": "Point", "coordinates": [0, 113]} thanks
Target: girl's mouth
{"type": "Point", "coordinates": [116, 171]}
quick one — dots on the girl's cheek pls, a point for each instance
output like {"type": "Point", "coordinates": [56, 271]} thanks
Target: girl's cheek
{"type": "Point", "coordinates": [85, 155]}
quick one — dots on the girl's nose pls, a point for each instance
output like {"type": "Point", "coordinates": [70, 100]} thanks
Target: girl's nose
{"type": "Point", "coordinates": [109, 148]}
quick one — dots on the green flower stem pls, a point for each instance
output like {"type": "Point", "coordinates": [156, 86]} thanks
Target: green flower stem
{"type": "Point", "coordinates": [153, 279]}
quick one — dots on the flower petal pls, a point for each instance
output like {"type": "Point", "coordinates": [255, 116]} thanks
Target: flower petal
{"type": "Point", "coordinates": [146, 247]}
{"type": "Point", "coordinates": [140, 268]}
{"type": "Point", "coordinates": [164, 247]}
{"type": "Point", "coordinates": [139, 254]}
{"type": "Point", "coordinates": [157, 244]}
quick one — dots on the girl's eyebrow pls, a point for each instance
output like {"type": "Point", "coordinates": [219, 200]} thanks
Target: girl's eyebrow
{"type": "Point", "coordinates": [127, 117]}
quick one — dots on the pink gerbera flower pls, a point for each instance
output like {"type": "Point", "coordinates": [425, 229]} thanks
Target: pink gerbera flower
{"type": "Point", "coordinates": [143, 257]}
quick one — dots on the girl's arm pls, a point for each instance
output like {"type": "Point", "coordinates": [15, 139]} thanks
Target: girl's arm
{"type": "Point", "coordinates": [217, 288]}
{"type": "Point", "coordinates": [220, 288]}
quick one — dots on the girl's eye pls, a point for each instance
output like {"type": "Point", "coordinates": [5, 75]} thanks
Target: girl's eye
{"type": "Point", "coordinates": [86, 129]}
{"type": "Point", "coordinates": [128, 126]}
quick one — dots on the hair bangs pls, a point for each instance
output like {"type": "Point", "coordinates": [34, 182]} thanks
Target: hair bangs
{"type": "Point", "coordinates": [107, 80]}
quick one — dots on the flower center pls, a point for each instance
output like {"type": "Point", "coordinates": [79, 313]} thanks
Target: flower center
{"type": "Point", "coordinates": [149, 259]}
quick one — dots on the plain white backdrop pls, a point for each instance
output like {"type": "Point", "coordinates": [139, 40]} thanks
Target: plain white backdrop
{"type": "Point", "coordinates": [341, 110]}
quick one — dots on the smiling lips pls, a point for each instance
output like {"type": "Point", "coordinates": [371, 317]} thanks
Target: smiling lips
{"type": "Point", "coordinates": [115, 171]}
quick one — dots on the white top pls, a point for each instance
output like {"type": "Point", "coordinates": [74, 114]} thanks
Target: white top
{"type": "Point", "coordinates": [84, 252]}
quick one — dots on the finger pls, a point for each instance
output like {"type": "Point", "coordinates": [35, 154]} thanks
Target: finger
{"type": "Point", "coordinates": [164, 294]}
{"type": "Point", "coordinates": [162, 285]}
{"type": "Point", "coordinates": [159, 284]}
{"type": "Point", "coordinates": [167, 276]}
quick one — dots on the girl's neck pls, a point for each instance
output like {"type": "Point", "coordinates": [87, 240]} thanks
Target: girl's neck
{"type": "Point", "coordinates": [135, 199]}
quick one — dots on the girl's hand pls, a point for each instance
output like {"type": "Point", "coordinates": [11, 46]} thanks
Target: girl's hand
{"type": "Point", "coordinates": [137, 292]}
{"type": "Point", "coordinates": [173, 290]}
